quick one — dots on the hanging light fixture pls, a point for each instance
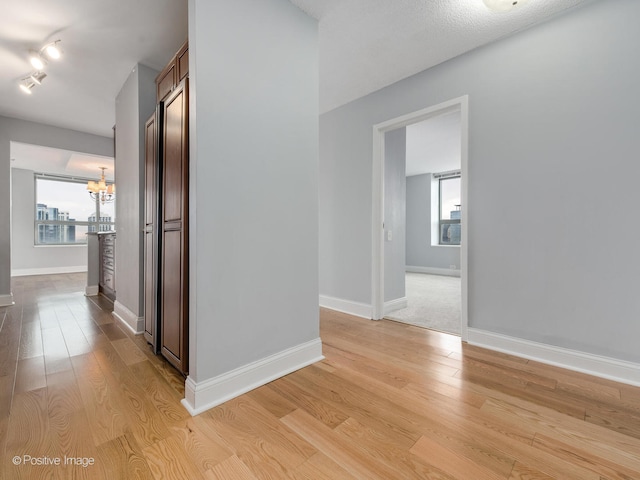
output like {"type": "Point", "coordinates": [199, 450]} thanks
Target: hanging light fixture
{"type": "Point", "coordinates": [503, 5]}
{"type": "Point", "coordinates": [100, 190]}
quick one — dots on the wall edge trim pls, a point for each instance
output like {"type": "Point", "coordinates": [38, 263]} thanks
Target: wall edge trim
{"type": "Point", "coordinates": [202, 396]}
{"type": "Point", "coordinates": [91, 290]}
{"type": "Point", "coordinates": [6, 300]}
{"type": "Point", "coordinates": [596, 365]}
{"type": "Point", "coordinates": [449, 272]}
{"type": "Point", "coordinates": [129, 319]}
{"type": "Point", "coordinates": [397, 304]}
{"type": "Point", "coordinates": [347, 306]}
{"type": "Point", "coordinates": [25, 272]}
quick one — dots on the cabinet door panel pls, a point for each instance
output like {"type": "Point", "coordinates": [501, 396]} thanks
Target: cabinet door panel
{"type": "Point", "coordinates": [182, 62]}
{"type": "Point", "coordinates": [174, 238]}
{"type": "Point", "coordinates": [174, 161]}
{"type": "Point", "coordinates": [150, 159]}
{"type": "Point", "coordinates": [150, 290]}
{"type": "Point", "coordinates": [166, 80]}
{"type": "Point", "coordinates": [151, 171]}
{"type": "Point", "coordinates": [172, 294]}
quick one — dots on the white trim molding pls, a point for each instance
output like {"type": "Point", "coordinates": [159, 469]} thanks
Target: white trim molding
{"type": "Point", "coordinates": [128, 318]}
{"type": "Point", "coordinates": [25, 272]}
{"type": "Point", "coordinates": [346, 306]}
{"type": "Point", "coordinates": [6, 300]}
{"type": "Point", "coordinates": [91, 290]}
{"type": "Point", "coordinates": [397, 304]}
{"type": "Point", "coordinates": [599, 366]}
{"type": "Point", "coordinates": [202, 396]}
{"type": "Point", "coordinates": [449, 272]}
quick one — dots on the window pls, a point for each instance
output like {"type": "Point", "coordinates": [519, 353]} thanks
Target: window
{"type": "Point", "coordinates": [65, 212]}
{"type": "Point", "coordinates": [449, 209]}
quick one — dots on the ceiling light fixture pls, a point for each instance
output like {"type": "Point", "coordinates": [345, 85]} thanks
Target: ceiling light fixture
{"type": "Point", "coordinates": [100, 190]}
{"type": "Point", "coordinates": [26, 86]}
{"type": "Point", "coordinates": [52, 50]}
{"type": "Point", "coordinates": [37, 77]}
{"type": "Point", "coordinates": [503, 5]}
{"type": "Point", "coordinates": [36, 60]}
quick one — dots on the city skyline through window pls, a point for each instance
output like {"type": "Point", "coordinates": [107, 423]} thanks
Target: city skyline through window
{"type": "Point", "coordinates": [65, 212]}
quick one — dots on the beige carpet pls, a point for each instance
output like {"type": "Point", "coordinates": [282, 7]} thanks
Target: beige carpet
{"type": "Point", "coordinates": [433, 302]}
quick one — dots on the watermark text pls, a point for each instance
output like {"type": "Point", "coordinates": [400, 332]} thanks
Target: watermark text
{"type": "Point", "coordinates": [54, 461]}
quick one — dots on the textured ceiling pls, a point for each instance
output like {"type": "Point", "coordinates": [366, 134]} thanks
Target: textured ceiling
{"type": "Point", "coordinates": [364, 45]}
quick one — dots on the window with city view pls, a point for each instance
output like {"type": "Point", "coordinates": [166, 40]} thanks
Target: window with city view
{"type": "Point", "coordinates": [449, 210]}
{"type": "Point", "coordinates": [65, 212]}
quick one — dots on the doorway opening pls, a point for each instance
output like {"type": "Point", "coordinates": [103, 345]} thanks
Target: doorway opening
{"type": "Point", "coordinates": [390, 266]}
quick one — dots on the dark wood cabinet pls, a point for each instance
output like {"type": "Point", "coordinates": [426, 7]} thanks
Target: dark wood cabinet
{"type": "Point", "coordinates": [174, 258]}
{"type": "Point", "coordinates": [176, 70]}
{"type": "Point", "coordinates": [151, 237]}
{"type": "Point", "coordinates": [166, 245]}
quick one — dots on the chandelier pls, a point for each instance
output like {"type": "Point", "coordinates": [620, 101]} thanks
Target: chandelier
{"type": "Point", "coordinates": [100, 190]}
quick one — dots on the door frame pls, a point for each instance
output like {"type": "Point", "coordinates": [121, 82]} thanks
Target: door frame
{"type": "Point", "coordinates": [377, 231]}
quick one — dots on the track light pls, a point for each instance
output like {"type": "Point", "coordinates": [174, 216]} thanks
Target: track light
{"type": "Point", "coordinates": [52, 50]}
{"type": "Point", "coordinates": [26, 86]}
{"type": "Point", "coordinates": [36, 60]}
{"type": "Point", "coordinates": [37, 77]}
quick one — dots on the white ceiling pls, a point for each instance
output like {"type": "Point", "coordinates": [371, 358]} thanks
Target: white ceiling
{"type": "Point", "coordinates": [434, 145]}
{"type": "Point", "coordinates": [60, 162]}
{"type": "Point", "coordinates": [364, 45]}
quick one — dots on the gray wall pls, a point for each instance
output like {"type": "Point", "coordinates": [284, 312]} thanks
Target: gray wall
{"type": "Point", "coordinates": [254, 195]}
{"type": "Point", "coordinates": [134, 104]}
{"type": "Point", "coordinates": [553, 120]}
{"type": "Point", "coordinates": [420, 252]}
{"type": "Point", "coordinates": [24, 254]}
{"type": "Point", "coordinates": [395, 157]}
{"type": "Point", "coordinates": [12, 129]}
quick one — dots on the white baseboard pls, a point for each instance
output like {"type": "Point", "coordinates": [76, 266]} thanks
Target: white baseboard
{"type": "Point", "coordinates": [202, 396]}
{"type": "Point", "coordinates": [128, 318]}
{"type": "Point", "coordinates": [397, 304]}
{"type": "Point", "coordinates": [6, 300]}
{"type": "Point", "coordinates": [605, 367]}
{"type": "Point", "coordinates": [24, 272]}
{"type": "Point", "coordinates": [346, 306]}
{"type": "Point", "coordinates": [91, 290]}
{"type": "Point", "coordinates": [449, 272]}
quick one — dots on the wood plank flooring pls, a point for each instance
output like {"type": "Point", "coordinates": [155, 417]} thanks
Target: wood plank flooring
{"type": "Point", "coordinates": [390, 401]}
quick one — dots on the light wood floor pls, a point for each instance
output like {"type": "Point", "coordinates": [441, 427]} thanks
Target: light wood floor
{"type": "Point", "coordinates": [391, 401]}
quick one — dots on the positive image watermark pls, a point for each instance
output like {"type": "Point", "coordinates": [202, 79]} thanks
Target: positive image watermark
{"type": "Point", "coordinates": [54, 461]}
